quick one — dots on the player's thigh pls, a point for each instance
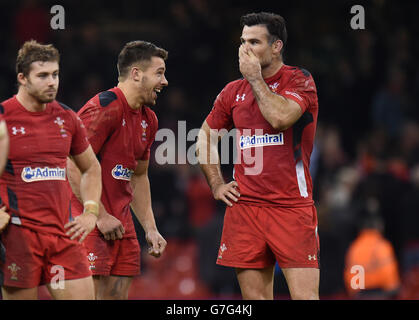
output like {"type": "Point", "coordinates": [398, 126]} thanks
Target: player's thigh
{"type": "Point", "coordinates": [13, 293]}
{"type": "Point", "coordinates": [112, 287]}
{"type": "Point", "coordinates": [256, 284]}
{"type": "Point", "coordinates": [76, 289]}
{"type": "Point", "coordinates": [243, 242]}
{"type": "Point", "coordinates": [303, 283]}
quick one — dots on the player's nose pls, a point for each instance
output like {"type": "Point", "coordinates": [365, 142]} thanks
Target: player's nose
{"type": "Point", "coordinates": [52, 81]}
{"type": "Point", "coordinates": [164, 81]}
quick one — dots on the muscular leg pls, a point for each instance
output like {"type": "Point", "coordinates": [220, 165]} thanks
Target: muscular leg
{"type": "Point", "coordinates": [256, 284]}
{"type": "Point", "coordinates": [303, 283]}
{"type": "Point", "coordinates": [112, 287]}
{"type": "Point", "coordinates": [13, 293]}
{"type": "Point", "coordinates": [77, 289]}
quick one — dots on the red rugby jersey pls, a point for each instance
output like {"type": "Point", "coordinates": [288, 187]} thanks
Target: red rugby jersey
{"type": "Point", "coordinates": [120, 136]}
{"type": "Point", "coordinates": [34, 185]}
{"type": "Point", "coordinates": [272, 167]}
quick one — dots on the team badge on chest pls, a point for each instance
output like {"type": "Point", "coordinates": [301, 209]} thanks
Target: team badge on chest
{"type": "Point", "coordinates": [60, 123]}
{"type": "Point", "coordinates": [144, 125]}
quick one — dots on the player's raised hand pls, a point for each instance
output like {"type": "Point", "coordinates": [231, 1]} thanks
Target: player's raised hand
{"type": "Point", "coordinates": [226, 192]}
{"type": "Point", "coordinates": [249, 63]}
{"type": "Point", "coordinates": [156, 243]}
{"type": "Point", "coordinates": [4, 218]}
{"type": "Point", "coordinates": [82, 225]}
{"type": "Point", "coordinates": [110, 227]}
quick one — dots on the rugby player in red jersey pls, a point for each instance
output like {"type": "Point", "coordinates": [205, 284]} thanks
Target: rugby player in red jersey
{"type": "Point", "coordinates": [41, 237]}
{"type": "Point", "coordinates": [121, 128]}
{"type": "Point", "coordinates": [271, 214]}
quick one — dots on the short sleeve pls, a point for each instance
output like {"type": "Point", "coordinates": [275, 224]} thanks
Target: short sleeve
{"type": "Point", "coordinates": [301, 89]}
{"type": "Point", "coordinates": [220, 116]}
{"type": "Point", "coordinates": [99, 121]}
{"type": "Point", "coordinates": [79, 142]}
{"type": "Point", "coordinates": [153, 131]}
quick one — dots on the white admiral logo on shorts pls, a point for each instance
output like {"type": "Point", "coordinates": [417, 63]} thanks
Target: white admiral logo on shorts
{"type": "Point", "coordinates": [43, 174]}
{"type": "Point", "coordinates": [260, 141]}
{"type": "Point", "coordinates": [121, 173]}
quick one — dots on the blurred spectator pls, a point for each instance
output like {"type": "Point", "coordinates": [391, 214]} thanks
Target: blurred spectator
{"type": "Point", "coordinates": [389, 106]}
{"type": "Point", "coordinates": [32, 21]}
{"type": "Point", "coordinates": [375, 255]}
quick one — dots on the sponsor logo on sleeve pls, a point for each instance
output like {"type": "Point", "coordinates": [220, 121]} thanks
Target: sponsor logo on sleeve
{"type": "Point", "coordinates": [43, 174]}
{"type": "Point", "coordinates": [121, 173]}
{"type": "Point", "coordinates": [294, 95]}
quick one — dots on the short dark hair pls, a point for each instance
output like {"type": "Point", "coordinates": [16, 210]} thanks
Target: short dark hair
{"type": "Point", "coordinates": [32, 51]}
{"type": "Point", "coordinates": [273, 22]}
{"type": "Point", "coordinates": [137, 52]}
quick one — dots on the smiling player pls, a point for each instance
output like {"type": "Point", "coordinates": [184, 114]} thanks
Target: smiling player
{"type": "Point", "coordinates": [121, 128]}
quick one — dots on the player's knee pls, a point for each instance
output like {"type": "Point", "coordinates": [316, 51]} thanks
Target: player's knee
{"type": "Point", "coordinates": [116, 296]}
{"type": "Point", "coordinates": [305, 295]}
{"type": "Point", "coordinates": [255, 294]}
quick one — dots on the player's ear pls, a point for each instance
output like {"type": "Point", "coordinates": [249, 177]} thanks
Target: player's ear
{"type": "Point", "coordinates": [277, 47]}
{"type": "Point", "coordinates": [136, 74]}
{"type": "Point", "coordinates": [21, 79]}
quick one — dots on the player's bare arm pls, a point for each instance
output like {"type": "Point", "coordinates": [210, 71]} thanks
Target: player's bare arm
{"type": "Point", "coordinates": [4, 145]}
{"type": "Point", "coordinates": [141, 205]}
{"type": "Point", "coordinates": [280, 112]}
{"type": "Point", "coordinates": [4, 151]}
{"type": "Point", "coordinates": [4, 218]}
{"type": "Point", "coordinates": [207, 152]}
{"type": "Point", "coordinates": [90, 189]}
{"type": "Point", "coordinates": [108, 225]}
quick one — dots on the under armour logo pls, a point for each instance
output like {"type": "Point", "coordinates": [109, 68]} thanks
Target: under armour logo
{"type": "Point", "coordinates": [16, 130]}
{"type": "Point", "coordinates": [313, 257]}
{"type": "Point", "coordinates": [123, 122]}
{"type": "Point", "coordinates": [238, 97]}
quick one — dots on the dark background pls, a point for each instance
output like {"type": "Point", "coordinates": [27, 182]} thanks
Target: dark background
{"type": "Point", "coordinates": [367, 142]}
